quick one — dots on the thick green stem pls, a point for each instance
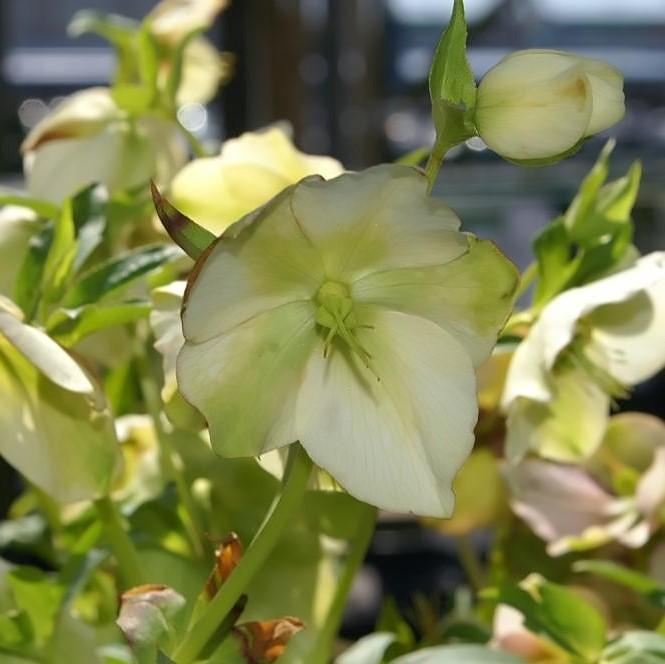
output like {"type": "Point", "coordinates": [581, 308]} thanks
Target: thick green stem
{"type": "Point", "coordinates": [127, 558]}
{"type": "Point", "coordinates": [194, 143]}
{"type": "Point", "coordinates": [470, 563]}
{"type": "Point", "coordinates": [433, 166]}
{"type": "Point", "coordinates": [528, 277]}
{"type": "Point", "coordinates": [170, 459]}
{"type": "Point", "coordinates": [358, 545]}
{"type": "Point", "coordinates": [280, 514]}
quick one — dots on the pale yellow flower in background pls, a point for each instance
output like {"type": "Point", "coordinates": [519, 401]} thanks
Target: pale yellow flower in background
{"type": "Point", "coordinates": [539, 105]}
{"type": "Point", "coordinates": [251, 169]}
{"type": "Point", "coordinates": [590, 344]}
{"type": "Point", "coordinates": [89, 139]}
{"type": "Point", "coordinates": [349, 315]}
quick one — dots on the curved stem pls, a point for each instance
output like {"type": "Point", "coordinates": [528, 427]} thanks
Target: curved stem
{"type": "Point", "coordinates": [321, 652]}
{"type": "Point", "coordinates": [433, 166]}
{"type": "Point", "coordinates": [194, 142]}
{"type": "Point", "coordinates": [129, 563]}
{"type": "Point", "coordinates": [528, 277]}
{"type": "Point", "coordinates": [280, 514]}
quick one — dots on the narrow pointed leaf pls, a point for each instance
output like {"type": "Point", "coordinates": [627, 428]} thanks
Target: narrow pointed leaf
{"type": "Point", "coordinates": [187, 234]}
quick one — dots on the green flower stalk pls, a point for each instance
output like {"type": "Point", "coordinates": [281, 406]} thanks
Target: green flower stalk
{"type": "Point", "coordinates": [349, 315]}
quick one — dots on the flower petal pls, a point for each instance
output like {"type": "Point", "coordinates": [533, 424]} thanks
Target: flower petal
{"type": "Point", "coordinates": [608, 96]}
{"type": "Point", "coordinates": [45, 354]}
{"type": "Point", "coordinates": [245, 382]}
{"type": "Point", "coordinates": [631, 334]}
{"type": "Point", "coordinates": [264, 261]}
{"type": "Point", "coordinates": [470, 297]}
{"type": "Point", "coordinates": [398, 442]}
{"type": "Point", "coordinates": [380, 219]}
{"type": "Point", "coordinates": [568, 428]}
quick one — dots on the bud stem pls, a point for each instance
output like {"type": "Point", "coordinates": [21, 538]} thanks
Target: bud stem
{"type": "Point", "coordinates": [279, 516]}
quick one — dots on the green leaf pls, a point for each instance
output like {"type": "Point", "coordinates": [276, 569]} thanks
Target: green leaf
{"type": "Point", "coordinates": [42, 208]}
{"type": "Point", "coordinates": [452, 85]}
{"type": "Point", "coordinates": [39, 596]}
{"type": "Point", "coordinates": [133, 97]}
{"type": "Point", "coordinates": [177, 63]}
{"type": "Point", "coordinates": [650, 589]}
{"type": "Point", "coordinates": [69, 326]}
{"type": "Point", "coordinates": [116, 29]}
{"type": "Point", "coordinates": [89, 208]}
{"type": "Point", "coordinates": [29, 279]}
{"type": "Point", "coordinates": [61, 255]}
{"type": "Point", "coordinates": [148, 59]}
{"type": "Point", "coordinates": [118, 271]}
{"type": "Point", "coordinates": [187, 234]}
{"type": "Point", "coordinates": [561, 615]}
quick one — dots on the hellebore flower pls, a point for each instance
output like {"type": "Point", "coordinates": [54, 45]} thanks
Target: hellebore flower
{"type": "Point", "coordinates": [349, 315]}
{"type": "Point", "coordinates": [62, 152]}
{"type": "Point", "coordinates": [540, 105]}
{"type": "Point", "coordinates": [55, 427]}
{"type": "Point", "coordinates": [251, 169]}
{"type": "Point", "coordinates": [590, 344]}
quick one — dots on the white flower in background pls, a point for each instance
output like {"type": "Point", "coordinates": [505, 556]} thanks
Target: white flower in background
{"type": "Point", "coordinates": [55, 427]}
{"type": "Point", "coordinates": [88, 138]}
{"type": "Point", "coordinates": [250, 170]}
{"type": "Point", "coordinates": [589, 344]}
{"type": "Point", "coordinates": [17, 226]}
{"type": "Point", "coordinates": [349, 315]}
{"type": "Point", "coordinates": [539, 104]}
{"type": "Point", "coordinates": [173, 20]}
{"type": "Point", "coordinates": [569, 507]}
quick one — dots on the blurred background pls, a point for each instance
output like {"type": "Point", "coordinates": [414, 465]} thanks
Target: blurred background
{"type": "Point", "coordinates": [350, 76]}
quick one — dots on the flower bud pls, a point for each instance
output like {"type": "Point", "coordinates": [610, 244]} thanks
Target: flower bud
{"type": "Point", "coordinates": [539, 105]}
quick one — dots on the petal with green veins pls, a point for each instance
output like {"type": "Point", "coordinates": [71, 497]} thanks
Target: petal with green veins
{"type": "Point", "coordinates": [379, 219]}
{"type": "Point", "coordinates": [396, 442]}
{"type": "Point", "coordinates": [469, 297]}
{"type": "Point", "coordinates": [268, 263]}
{"type": "Point", "coordinates": [245, 382]}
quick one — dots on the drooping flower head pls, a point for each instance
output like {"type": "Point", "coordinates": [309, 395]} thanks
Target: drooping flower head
{"type": "Point", "coordinates": [349, 315]}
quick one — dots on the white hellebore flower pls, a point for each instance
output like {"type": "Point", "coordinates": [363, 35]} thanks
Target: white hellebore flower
{"type": "Point", "coordinates": [349, 315]}
{"type": "Point", "coordinates": [89, 139]}
{"type": "Point", "coordinates": [589, 344]}
{"type": "Point", "coordinates": [251, 169]}
{"type": "Point", "coordinates": [539, 105]}
{"type": "Point", "coordinates": [17, 225]}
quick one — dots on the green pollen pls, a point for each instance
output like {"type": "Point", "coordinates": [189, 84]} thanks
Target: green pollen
{"type": "Point", "coordinates": [335, 314]}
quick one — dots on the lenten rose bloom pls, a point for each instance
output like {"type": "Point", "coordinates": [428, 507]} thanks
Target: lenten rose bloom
{"type": "Point", "coordinates": [349, 315]}
{"type": "Point", "coordinates": [590, 344]}
{"type": "Point", "coordinates": [249, 171]}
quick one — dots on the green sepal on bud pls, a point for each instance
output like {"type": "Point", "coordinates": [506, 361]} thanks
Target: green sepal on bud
{"type": "Point", "coordinates": [452, 88]}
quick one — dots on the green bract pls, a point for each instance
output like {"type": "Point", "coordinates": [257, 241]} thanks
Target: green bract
{"type": "Point", "coordinates": [539, 105]}
{"type": "Point", "coordinates": [349, 315]}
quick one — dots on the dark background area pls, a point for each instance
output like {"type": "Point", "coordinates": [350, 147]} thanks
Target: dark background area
{"type": "Point", "coordinates": [350, 76]}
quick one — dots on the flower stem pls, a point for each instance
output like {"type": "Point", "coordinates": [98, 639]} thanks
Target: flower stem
{"type": "Point", "coordinates": [280, 514]}
{"type": "Point", "coordinates": [528, 277]}
{"type": "Point", "coordinates": [470, 563]}
{"type": "Point", "coordinates": [169, 457]}
{"type": "Point", "coordinates": [129, 563]}
{"type": "Point", "coordinates": [433, 166]}
{"type": "Point", "coordinates": [358, 545]}
{"type": "Point", "coordinates": [194, 143]}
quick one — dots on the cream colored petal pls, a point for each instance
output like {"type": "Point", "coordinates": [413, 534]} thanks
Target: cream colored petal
{"type": "Point", "coordinates": [216, 194]}
{"type": "Point", "coordinates": [82, 114]}
{"type": "Point", "coordinates": [379, 219]}
{"type": "Point", "coordinates": [56, 438]}
{"type": "Point", "coordinates": [534, 105]}
{"type": "Point", "coordinates": [650, 495]}
{"type": "Point", "coordinates": [172, 20]}
{"type": "Point", "coordinates": [17, 226]}
{"type": "Point", "coordinates": [263, 262]}
{"type": "Point", "coordinates": [568, 428]}
{"type": "Point", "coordinates": [245, 382]}
{"type": "Point", "coordinates": [46, 355]}
{"type": "Point", "coordinates": [396, 442]}
{"type": "Point", "coordinates": [630, 334]}
{"type": "Point", "coordinates": [204, 68]}
{"type": "Point", "coordinates": [608, 96]}
{"type": "Point", "coordinates": [470, 297]}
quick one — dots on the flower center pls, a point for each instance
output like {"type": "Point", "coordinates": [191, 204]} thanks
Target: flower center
{"type": "Point", "coordinates": [335, 314]}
